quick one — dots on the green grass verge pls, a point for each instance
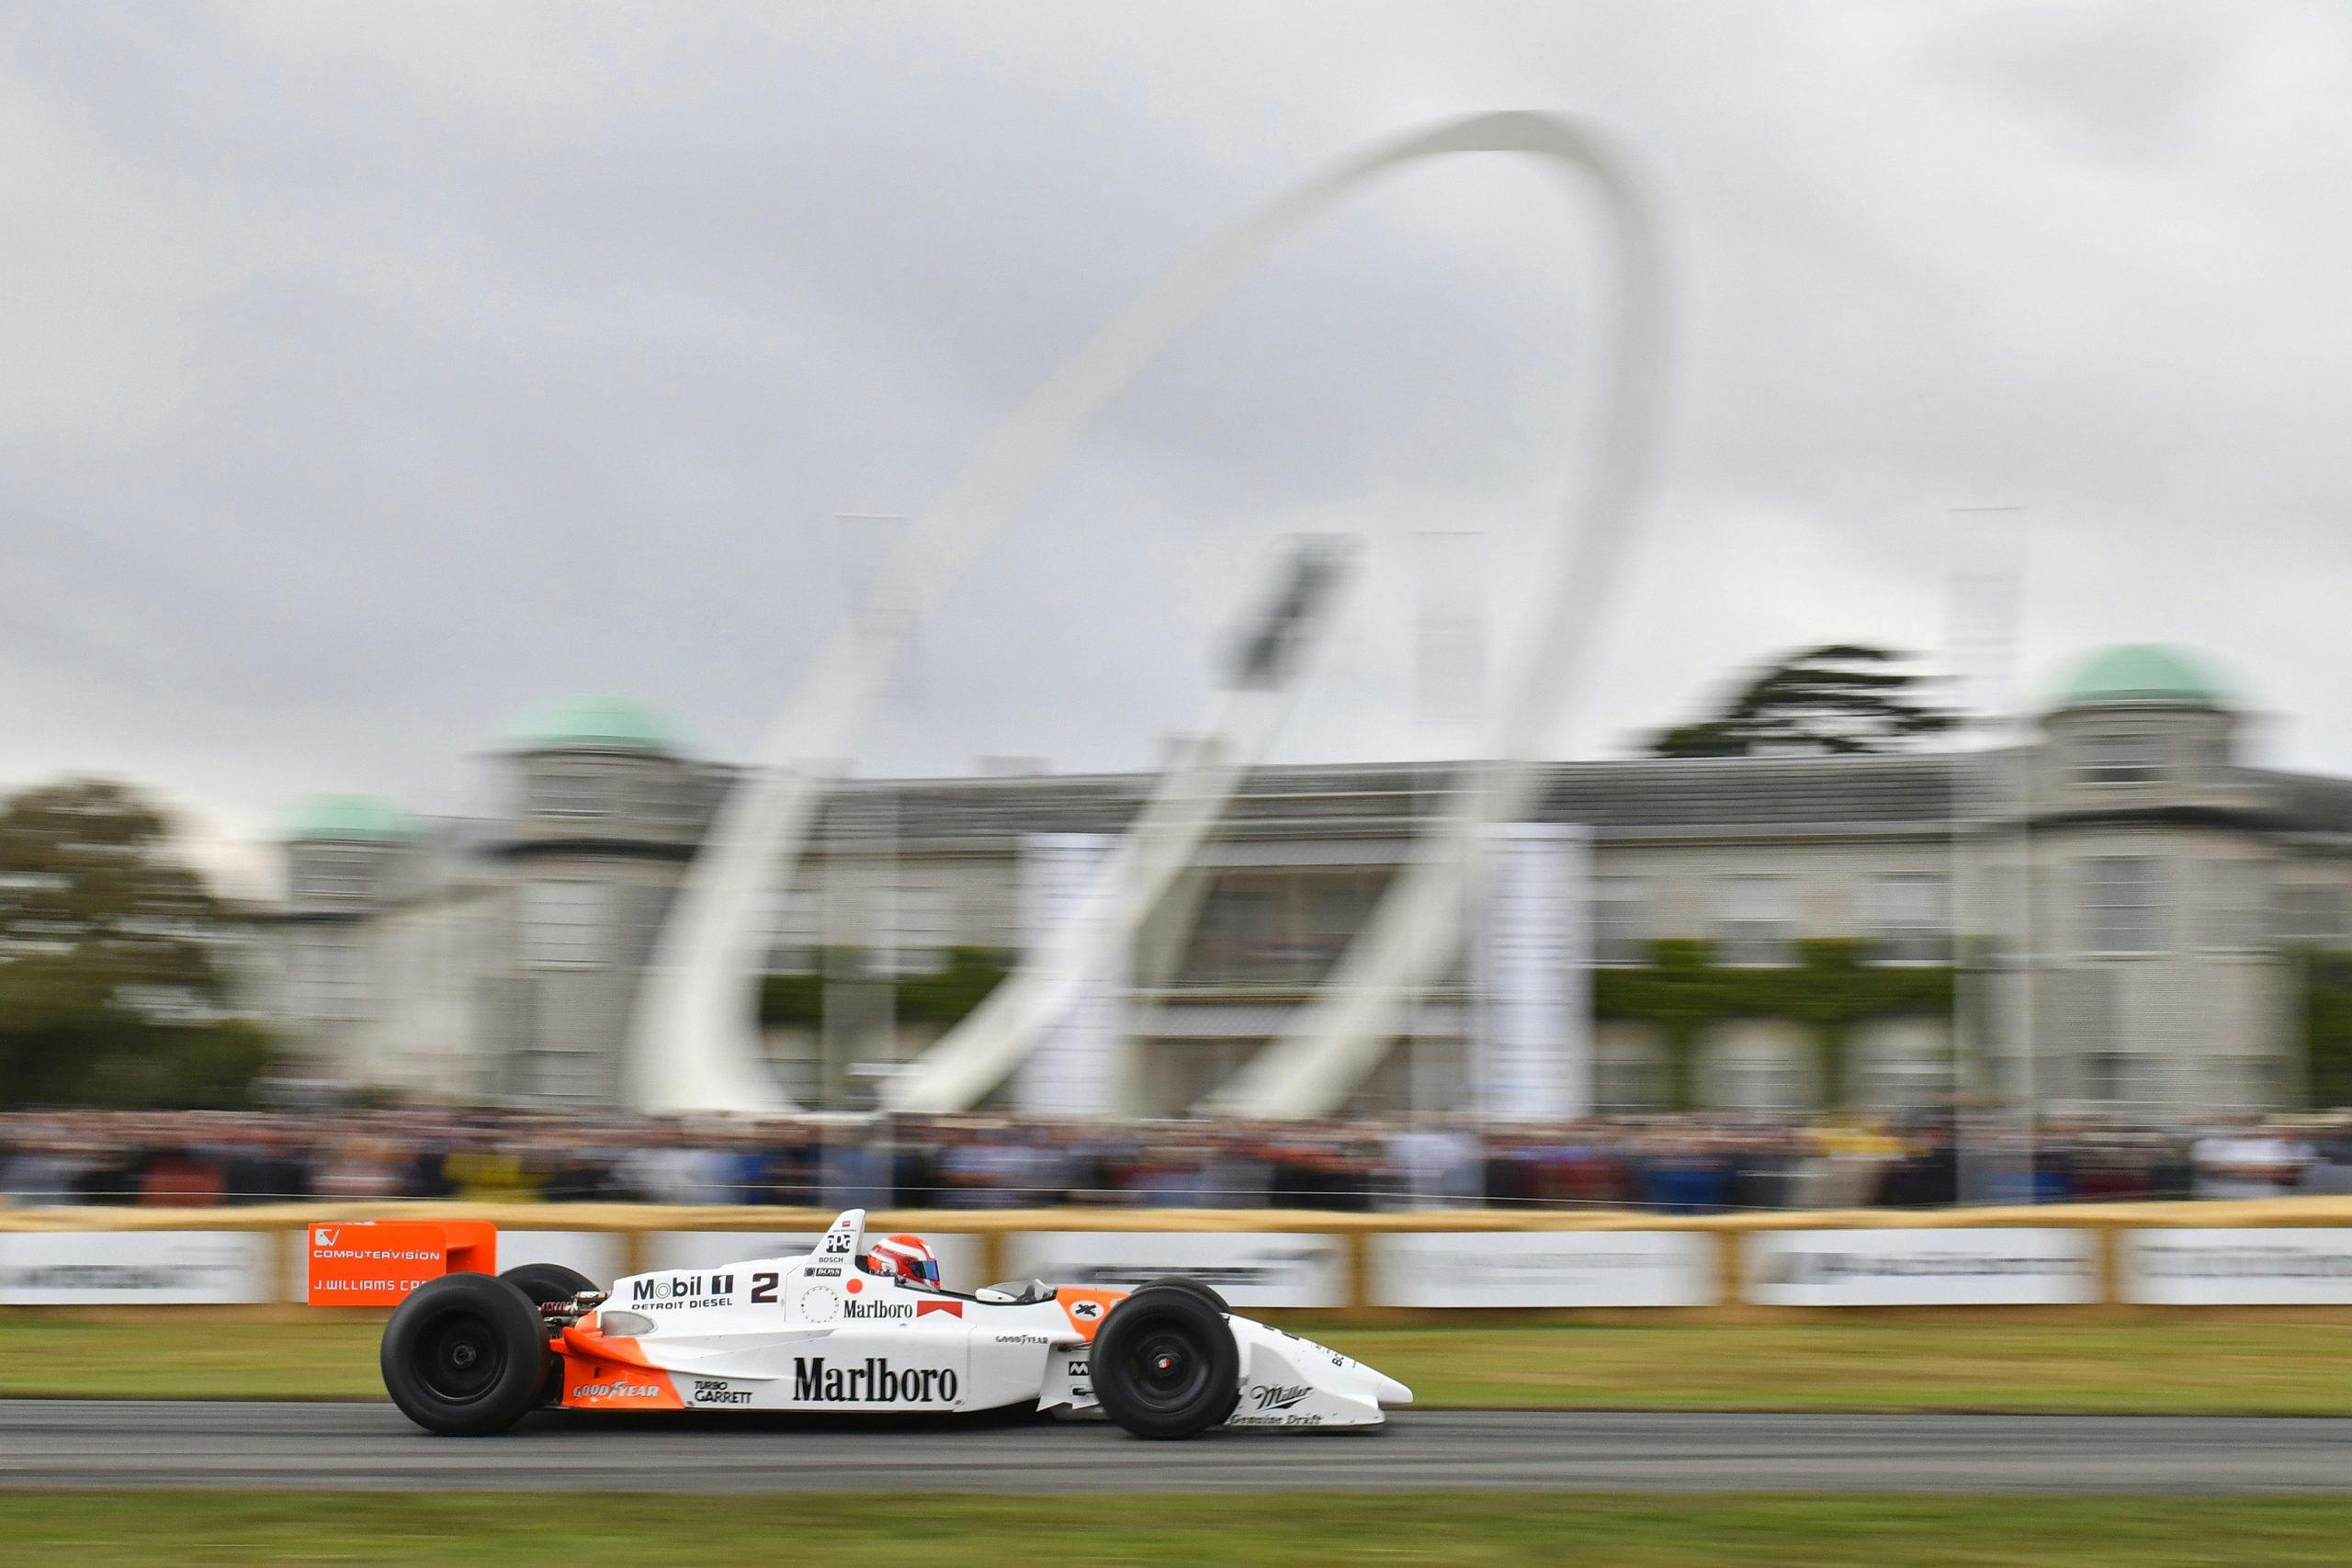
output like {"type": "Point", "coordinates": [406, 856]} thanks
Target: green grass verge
{"type": "Point", "coordinates": [2125, 1368]}
{"type": "Point", "coordinates": [2185, 1367]}
{"type": "Point", "coordinates": [102, 1530]}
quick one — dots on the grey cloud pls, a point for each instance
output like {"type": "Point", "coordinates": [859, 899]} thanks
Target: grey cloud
{"type": "Point", "coordinates": [393, 370]}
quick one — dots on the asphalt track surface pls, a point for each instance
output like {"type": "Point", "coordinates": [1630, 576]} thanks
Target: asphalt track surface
{"type": "Point", "coordinates": [56, 1444]}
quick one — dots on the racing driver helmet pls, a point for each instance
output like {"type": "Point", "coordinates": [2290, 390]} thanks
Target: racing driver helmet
{"type": "Point", "coordinates": [905, 1258]}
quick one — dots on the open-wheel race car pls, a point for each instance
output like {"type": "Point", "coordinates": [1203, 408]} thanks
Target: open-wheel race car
{"type": "Point", "coordinates": [849, 1326]}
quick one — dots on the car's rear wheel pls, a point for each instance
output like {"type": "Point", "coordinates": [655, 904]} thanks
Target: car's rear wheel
{"type": "Point", "coordinates": [465, 1354]}
{"type": "Point", "coordinates": [1165, 1364]}
{"type": "Point", "coordinates": [541, 1284]}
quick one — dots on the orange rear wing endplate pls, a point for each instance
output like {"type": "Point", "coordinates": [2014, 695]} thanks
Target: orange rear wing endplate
{"type": "Point", "coordinates": [376, 1263]}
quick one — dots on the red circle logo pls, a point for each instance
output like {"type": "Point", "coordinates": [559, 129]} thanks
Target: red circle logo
{"type": "Point", "coordinates": [854, 1286]}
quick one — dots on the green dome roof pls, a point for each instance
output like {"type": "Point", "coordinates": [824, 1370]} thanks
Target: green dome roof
{"type": "Point", "coordinates": [349, 816]}
{"type": "Point", "coordinates": [611, 722]}
{"type": "Point", "coordinates": [2141, 672]}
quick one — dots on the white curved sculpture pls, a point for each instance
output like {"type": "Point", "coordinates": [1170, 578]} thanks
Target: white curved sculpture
{"type": "Point", "coordinates": [695, 1044]}
{"type": "Point", "coordinates": [1336, 1037]}
{"type": "Point", "coordinates": [977, 1055]}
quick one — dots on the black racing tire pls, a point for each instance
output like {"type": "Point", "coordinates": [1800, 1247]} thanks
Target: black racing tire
{"type": "Point", "coordinates": [1178, 1283]}
{"type": "Point", "coordinates": [465, 1354]}
{"type": "Point", "coordinates": [1164, 1363]}
{"type": "Point", "coordinates": [547, 1281]}
{"type": "Point", "coordinates": [542, 1282]}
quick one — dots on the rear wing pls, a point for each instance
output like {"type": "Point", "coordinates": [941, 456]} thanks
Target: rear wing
{"type": "Point", "coordinates": [376, 1263]}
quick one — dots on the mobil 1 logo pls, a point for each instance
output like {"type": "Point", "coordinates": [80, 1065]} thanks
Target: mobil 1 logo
{"type": "Point", "coordinates": [661, 1292]}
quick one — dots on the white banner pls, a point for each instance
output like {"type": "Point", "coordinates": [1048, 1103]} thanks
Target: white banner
{"type": "Point", "coordinates": [2270, 1266]}
{"type": "Point", "coordinates": [2006, 1267]}
{"type": "Point", "coordinates": [596, 1254]}
{"type": "Point", "coordinates": [142, 1268]}
{"type": "Point", "coordinates": [959, 1256]}
{"type": "Point", "coordinates": [1262, 1268]}
{"type": "Point", "coordinates": [1545, 1269]}
{"type": "Point", "coordinates": [1074, 1071]}
{"type": "Point", "coordinates": [1532, 1046]}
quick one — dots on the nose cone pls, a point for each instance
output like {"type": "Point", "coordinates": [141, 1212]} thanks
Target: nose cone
{"type": "Point", "coordinates": [1391, 1391]}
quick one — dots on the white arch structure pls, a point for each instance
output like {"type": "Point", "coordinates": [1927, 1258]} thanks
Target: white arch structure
{"type": "Point", "coordinates": [976, 1055]}
{"type": "Point", "coordinates": [694, 1041]}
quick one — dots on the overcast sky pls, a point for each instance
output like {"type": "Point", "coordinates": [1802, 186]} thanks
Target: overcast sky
{"type": "Point", "coordinates": [375, 374]}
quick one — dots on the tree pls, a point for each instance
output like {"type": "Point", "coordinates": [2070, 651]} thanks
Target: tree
{"type": "Point", "coordinates": [111, 988]}
{"type": "Point", "coordinates": [1841, 699]}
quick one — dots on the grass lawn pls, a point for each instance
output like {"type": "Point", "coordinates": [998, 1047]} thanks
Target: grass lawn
{"type": "Point", "coordinates": [2186, 1368]}
{"type": "Point", "coordinates": [95, 1530]}
{"type": "Point", "coordinates": [2238, 1368]}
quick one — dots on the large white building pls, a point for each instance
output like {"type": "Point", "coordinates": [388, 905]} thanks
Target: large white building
{"type": "Point", "coordinates": [2127, 884]}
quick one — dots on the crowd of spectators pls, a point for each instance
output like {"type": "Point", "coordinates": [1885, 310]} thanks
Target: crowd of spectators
{"type": "Point", "coordinates": [1691, 1164]}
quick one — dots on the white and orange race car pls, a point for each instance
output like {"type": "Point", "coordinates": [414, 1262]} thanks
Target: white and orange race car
{"type": "Point", "coordinates": [845, 1328]}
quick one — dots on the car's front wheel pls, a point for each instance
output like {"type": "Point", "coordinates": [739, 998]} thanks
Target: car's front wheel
{"type": "Point", "coordinates": [543, 1282]}
{"type": "Point", "coordinates": [1164, 1363]}
{"type": "Point", "coordinates": [465, 1354]}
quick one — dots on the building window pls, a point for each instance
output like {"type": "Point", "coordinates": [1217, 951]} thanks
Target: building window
{"type": "Point", "coordinates": [1906, 1084]}
{"type": "Point", "coordinates": [1759, 1078]}
{"type": "Point", "coordinates": [1910, 919]}
{"type": "Point", "coordinates": [914, 932]}
{"type": "Point", "coordinates": [655, 796]}
{"type": "Point", "coordinates": [576, 1077]}
{"type": "Point", "coordinates": [1335, 906]}
{"type": "Point", "coordinates": [326, 979]}
{"type": "Point", "coordinates": [2121, 760]}
{"type": "Point", "coordinates": [563, 922]}
{"type": "Point", "coordinates": [2121, 901]}
{"type": "Point", "coordinates": [332, 874]}
{"type": "Point", "coordinates": [1620, 920]}
{"type": "Point", "coordinates": [2235, 905]}
{"type": "Point", "coordinates": [1237, 938]}
{"type": "Point", "coordinates": [2310, 917]}
{"type": "Point", "coordinates": [1628, 1081]}
{"type": "Point", "coordinates": [2108, 1078]}
{"type": "Point", "coordinates": [1999, 920]}
{"type": "Point", "coordinates": [1756, 921]}
{"type": "Point", "coordinates": [567, 791]}
{"type": "Point", "coordinates": [796, 932]}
